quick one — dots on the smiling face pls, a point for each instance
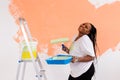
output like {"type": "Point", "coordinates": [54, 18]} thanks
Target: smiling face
{"type": "Point", "coordinates": [84, 28]}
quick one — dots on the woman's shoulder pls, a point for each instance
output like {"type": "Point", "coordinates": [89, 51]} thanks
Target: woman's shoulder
{"type": "Point", "coordinates": [85, 36]}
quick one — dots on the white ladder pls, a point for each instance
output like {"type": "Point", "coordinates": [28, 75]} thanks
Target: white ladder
{"type": "Point", "coordinates": [37, 64]}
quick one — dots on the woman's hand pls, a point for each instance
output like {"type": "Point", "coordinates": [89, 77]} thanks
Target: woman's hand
{"type": "Point", "coordinates": [75, 59]}
{"type": "Point", "coordinates": [64, 48]}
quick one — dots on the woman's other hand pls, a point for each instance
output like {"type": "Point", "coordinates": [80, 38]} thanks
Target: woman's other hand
{"type": "Point", "coordinates": [74, 59]}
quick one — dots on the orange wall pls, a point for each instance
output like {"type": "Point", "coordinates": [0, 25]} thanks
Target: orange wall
{"type": "Point", "coordinates": [52, 19]}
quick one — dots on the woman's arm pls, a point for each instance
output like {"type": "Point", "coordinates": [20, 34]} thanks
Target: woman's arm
{"type": "Point", "coordinates": [82, 59]}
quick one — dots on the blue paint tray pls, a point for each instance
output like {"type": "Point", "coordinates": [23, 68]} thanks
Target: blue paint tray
{"type": "Point", "coordinates": [59, 59]}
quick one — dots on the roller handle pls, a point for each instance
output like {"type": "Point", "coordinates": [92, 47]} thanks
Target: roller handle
{"type": "Point", "coordinates": [64, 48]}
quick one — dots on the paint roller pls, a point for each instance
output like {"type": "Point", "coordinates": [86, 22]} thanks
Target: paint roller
{"type": "Point", "coordinates": [60, 40]}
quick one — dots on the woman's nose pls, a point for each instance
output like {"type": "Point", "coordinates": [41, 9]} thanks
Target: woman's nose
{"type": "Point", "coordinates": [82, 26]}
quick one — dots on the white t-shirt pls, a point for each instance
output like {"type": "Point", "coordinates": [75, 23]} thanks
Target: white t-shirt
{"type": "Point", "coordinates": [81, 47]}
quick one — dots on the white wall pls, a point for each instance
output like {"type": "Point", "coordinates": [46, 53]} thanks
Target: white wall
{"type": "Point", "coordinates": [108, 66]}
{"type": "Point", "coordinates": [8, 47]}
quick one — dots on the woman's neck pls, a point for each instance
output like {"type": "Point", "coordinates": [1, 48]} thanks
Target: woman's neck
{"type": "Point", "coordinates": [79, 35]}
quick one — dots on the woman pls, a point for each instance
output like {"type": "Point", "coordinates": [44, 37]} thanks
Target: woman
{"type": "Point", "coordinates": [83, 50]}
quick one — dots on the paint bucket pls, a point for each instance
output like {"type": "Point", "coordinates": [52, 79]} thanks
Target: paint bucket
{"type": "Point", "coordinates": [25, 51]}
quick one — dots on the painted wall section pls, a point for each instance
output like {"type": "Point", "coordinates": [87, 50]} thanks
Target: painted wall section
{"type": "Point", "coordinates": [52, 19]}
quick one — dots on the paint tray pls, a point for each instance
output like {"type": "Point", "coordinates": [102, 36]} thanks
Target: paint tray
{"type": "Point", "coordinates": [59, 59]}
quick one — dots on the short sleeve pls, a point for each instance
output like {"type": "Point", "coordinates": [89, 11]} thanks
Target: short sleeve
{"type": "Point", "coordinates": [87, 46]}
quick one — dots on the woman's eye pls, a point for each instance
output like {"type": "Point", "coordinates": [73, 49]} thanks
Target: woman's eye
{"type": "Point", "coordinates": [83, 24]}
